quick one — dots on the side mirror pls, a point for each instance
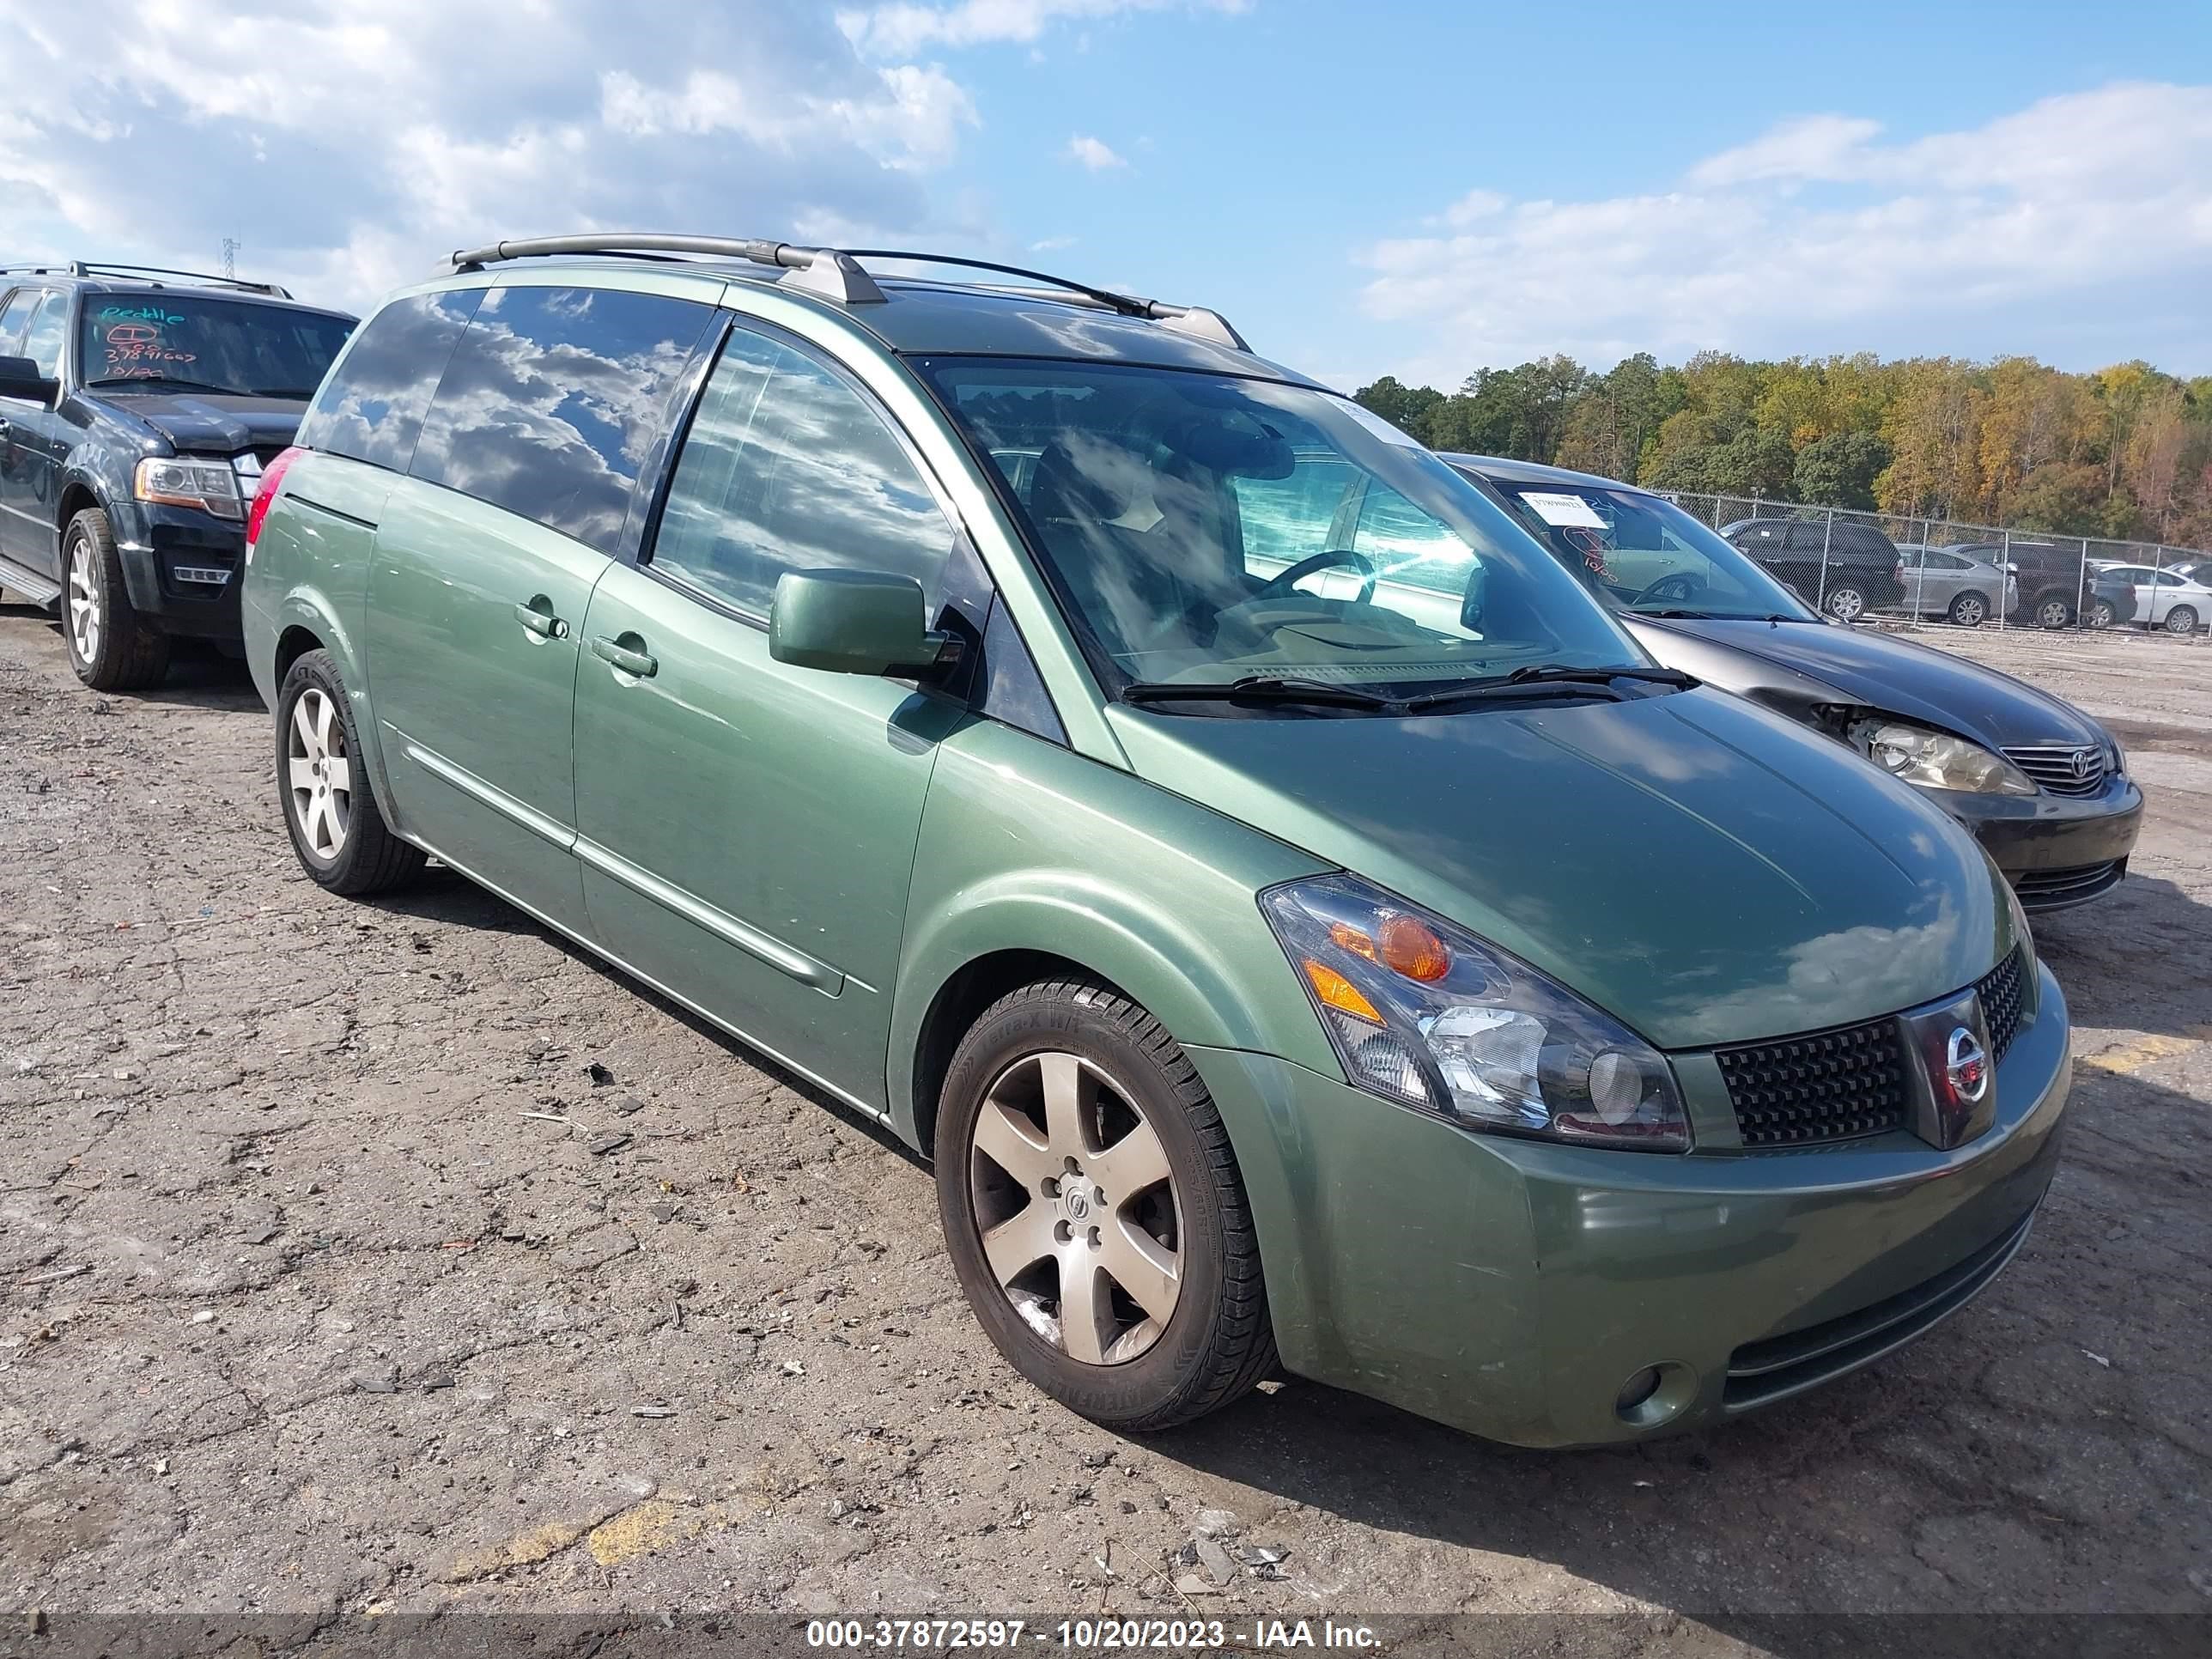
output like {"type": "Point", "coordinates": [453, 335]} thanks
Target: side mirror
{"type": "Point", "coordinates": [854, 621]}
{"type": "Point", "coordinates": [19, 378]}
{"type": "Point", "coordinates": [1473, 603]}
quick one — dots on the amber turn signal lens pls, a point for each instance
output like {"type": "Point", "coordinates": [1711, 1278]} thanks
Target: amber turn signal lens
{"type": "Point", "coordinates": [1411, 947]}
{"type": "Point", "coordinates": [1345, 937]}
{"type": "Point", "coordinates": [1341, 994]}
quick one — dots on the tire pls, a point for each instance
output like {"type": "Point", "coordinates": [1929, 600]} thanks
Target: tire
{"type": "Point", "coordinates": [2053, 613]}
{"type": "Point", "coordinates": [1113, 1066]}
{"type": "Point", "coordinates": [1847, 603]}
{"type": "Point", "coordinates": [2180, 621]}
{"type": "Point", "coordinates": [1969, 610]}
{"type": "Point", "coordinates": [337, 831]}
{"type": "Point", "coordinates": [111, 647]}
{"type": "Point", "coordinates": [2101, 615]}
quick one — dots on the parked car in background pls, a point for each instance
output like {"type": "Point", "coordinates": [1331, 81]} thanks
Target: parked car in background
{"type": "Point", "coordinates": [2042, 786]}
{"type": "Point", "coordinates": [137, 407]}
{"type": "Point", "coordinates": [1844, 568]}
{"type": "Point", "coordinates": [2172, 600]}
{"type": "Point", "coordinates": [1419, 983]}
{"type": "Point", "coordinates": [1942, 582]}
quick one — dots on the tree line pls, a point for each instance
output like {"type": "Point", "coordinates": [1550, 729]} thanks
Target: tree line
{"type": "Point", "coordinates": [2125, 452]}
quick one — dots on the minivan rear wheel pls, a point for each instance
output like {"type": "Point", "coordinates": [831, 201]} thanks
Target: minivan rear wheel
{"type": "Point", "coordinates": [1094, 1212]}
{"type": "Point", "coordinates": [330, 804]}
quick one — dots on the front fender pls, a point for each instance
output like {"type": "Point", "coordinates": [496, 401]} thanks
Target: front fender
{"type": "Point", "coordinates": [1025, 846]}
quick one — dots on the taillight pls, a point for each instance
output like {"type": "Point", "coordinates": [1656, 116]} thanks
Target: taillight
{"type": "Point", "coordinates": [271, 477]}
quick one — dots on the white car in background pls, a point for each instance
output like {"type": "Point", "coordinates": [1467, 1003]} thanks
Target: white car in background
{"type": "Point", "coordinates": [2177, 600]}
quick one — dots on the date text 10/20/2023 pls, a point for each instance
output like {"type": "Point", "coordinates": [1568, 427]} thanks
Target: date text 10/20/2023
{"type": "Point", "coordinates": [1087, 1635]}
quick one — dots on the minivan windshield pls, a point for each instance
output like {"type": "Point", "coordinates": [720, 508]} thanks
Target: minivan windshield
{"type": "Point", "coordinates": [184, 343]}
{"type": "Point", "coordinates": [1203, 529]}
{"type": "Point", "coordinates": [1646, 556]}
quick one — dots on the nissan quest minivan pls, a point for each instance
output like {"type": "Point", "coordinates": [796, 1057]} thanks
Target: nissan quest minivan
{"type": "Point", "coordinates": [1417, 988]}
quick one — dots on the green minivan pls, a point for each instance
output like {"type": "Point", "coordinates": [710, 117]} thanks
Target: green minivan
{"type": "Point", "coordinates": [1416, 989]}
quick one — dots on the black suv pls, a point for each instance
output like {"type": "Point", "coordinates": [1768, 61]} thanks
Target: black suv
{"type": "Point", "coordinates": [1844, 569]}
{"type": "Point", "coordinates": [138, 407]}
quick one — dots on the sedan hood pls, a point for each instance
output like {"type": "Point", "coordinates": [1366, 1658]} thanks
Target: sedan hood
{"type": "Point", "coordinates": [206, 424]}
{"type": "Point", "coordinates": [1898, 677]}
{"type": "Point", "coordinates": [1704, 870]}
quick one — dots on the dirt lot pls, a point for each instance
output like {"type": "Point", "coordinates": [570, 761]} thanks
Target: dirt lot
{"type": "Point", "coordinates": [300, 1312]}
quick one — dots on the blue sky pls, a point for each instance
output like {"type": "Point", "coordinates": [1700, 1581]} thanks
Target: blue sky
{"type": "Point", "coordinates": [1412, 188]}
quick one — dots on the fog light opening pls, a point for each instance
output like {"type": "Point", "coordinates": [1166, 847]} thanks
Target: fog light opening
{"type": "Point", "coordinates": [1656, 1395]}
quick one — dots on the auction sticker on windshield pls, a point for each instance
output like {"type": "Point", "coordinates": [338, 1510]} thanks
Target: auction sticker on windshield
{"type": "Point", "coordinates": [1562, 509]}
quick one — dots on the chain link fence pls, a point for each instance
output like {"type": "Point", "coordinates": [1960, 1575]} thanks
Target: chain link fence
{"type": "Point", "coordinates": [1913, 572]}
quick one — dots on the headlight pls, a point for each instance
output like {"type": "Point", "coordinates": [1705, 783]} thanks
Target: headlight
{"type": "Point", "coordinates": [185, 481]}
{"type": "Point", "coordinates": [2116, 755]}
{"type": "Point", "coordinates": [1936, 760]}
{"type": "Point", "coordinates": [1423, 1014]}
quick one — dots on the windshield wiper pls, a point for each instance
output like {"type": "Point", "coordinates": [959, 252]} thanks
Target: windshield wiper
{"type": "Point", "coordinates": [1259, 687]}
{"type": "Point", "coordinates": [1541, 681]}
{"type": "Point", "coordinates": [283, 392]}
{"type": "Point", "coordinates": [168, 381]}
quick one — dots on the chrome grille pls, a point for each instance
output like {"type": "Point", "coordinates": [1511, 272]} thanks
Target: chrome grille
{"type": "Point", "coordinates": [2061, 769]}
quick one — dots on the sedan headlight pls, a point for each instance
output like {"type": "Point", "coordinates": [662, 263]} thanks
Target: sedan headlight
{"type": "Point", "coordinates": [189, 481]}
{"type": "Point", "coordinates": [1425, 1015]}
{"type": "Point", "coordinates": [1936, 760]}
{"type": "Point", "coordinates": [2115, 755]}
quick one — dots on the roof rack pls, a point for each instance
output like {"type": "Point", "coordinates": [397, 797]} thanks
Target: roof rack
{"type": "Point", "coordinates": [837, 274]}
{"type": "Point", "coordinates": [83, 268]}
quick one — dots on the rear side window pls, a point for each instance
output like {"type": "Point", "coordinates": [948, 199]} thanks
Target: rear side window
{"type": "Point", "coordinates": [42, 342]}
{"type": "Point", "coordinates": [16, 313]}
{"type": "Point", "coordinates": [788, 467]}
{"type": "Point", "coordinates": [553, 399]}
{"type": "Point", "coordinates": [371, 408]}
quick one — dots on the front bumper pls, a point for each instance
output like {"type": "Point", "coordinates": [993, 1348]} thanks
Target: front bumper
{"type": "Point", "coordinates": [182, 568]}
{"type": "Point", "coordinates": [1511, 1287]}
{"type": "Point", "coordinates": [2056, 852]}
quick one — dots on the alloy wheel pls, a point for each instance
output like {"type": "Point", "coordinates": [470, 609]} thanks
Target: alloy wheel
{"type": "Point", "coordinates": [2181, 620]}
{"type": "Point", "coordinates": [1076, 1208]}
{"type": "Point", "coordinates": [1846, 604]}
{"type": "Point", "coordinates": [84, 612]}
{"type": "Point", "coordinates": [2053, 613]}
{"type": "Point", "coordinates": [320, 773]}
{"type": "Point", "coordinates": [2101, 614]}
{"type": "Point", "coordinates": [1968, 611]}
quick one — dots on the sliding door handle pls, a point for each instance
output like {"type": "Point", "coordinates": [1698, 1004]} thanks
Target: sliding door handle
{"type": "Point", "coordinates": [643, 664]}
{"type": "Point", "coordinates": [537, 616]}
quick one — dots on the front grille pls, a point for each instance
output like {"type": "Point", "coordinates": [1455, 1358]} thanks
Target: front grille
{"type": "Point", "coordinates": [2053, 889]}
{"type": "Point", "coordinates": [1830, 1086]}
{"type": "Point", "coordinates": [1761, 1373]}
{"type": "Point", "coordinates": [2000, 991]}
{"type": "Point", "coordinates": [2075, 769]}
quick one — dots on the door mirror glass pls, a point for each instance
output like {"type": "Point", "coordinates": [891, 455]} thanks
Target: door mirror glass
{"type": "Point", "coordinates": [853, 622]}
{"type": "Point", "coordinates": [19, 378]}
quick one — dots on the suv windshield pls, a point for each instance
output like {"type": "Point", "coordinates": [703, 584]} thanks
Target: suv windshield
{"type": "Point", "coordinates": [1201, 529]}
{"type": "Point", "coordinates": [208, 344]}
{"type": "Point", "coordinates": [1647, 556]}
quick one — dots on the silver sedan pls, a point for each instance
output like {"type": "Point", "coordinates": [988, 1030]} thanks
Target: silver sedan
{"type": "Point", "coordinates": [1953, 587]}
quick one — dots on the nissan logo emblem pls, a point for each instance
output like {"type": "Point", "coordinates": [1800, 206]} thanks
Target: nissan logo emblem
{"type": "Point", "coordinates": [1966, 1068]}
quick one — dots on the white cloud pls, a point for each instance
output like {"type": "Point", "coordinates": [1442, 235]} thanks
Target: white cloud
{"type": "Point", "coordinates": [350, 149]}
{"type": "Point", "coordinates": [903, 28]}
{"type": "Point", "coordinates": [1092, 154]}
{"type": "Point", "coordinates": [1818, 235]}
{"type": "Point", "coordinates": [1052, 244]}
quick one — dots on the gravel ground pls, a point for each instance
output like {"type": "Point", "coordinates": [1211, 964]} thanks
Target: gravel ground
{"type": "Point", "coordinates": [303, 1312]}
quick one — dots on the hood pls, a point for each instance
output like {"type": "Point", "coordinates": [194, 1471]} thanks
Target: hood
{"type": "Point", "coordinates": [1704, 869]}
{"type": "Point", "coordinates": [208, 424]}
{"type": "Point", "coordinates": [1898, 677]}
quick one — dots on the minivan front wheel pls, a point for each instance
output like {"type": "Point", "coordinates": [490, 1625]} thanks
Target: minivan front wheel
{"type": "Point", "coordinates": [1094, 1212]}
{"type": "Point", "coordinates": [330, 804]}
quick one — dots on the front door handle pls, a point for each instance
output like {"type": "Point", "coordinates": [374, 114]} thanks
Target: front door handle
{"type": "Point", "coordinates": [537, 616]}
{"type": "Point", "coordinates": [643, 664]}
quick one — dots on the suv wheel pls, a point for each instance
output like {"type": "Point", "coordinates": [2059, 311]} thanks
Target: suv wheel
{"type": "Point", "coordinates": [2101, 615]}
{"type": "Point", "coordinates": [2181, 620]}
{"type": "Point", "coordinates": [2053, 613]}
{"type": "Point", "coordinates": [1847, 603]}
{"type": "Point", "coordinates": [110, 646]}
{"type": "Point", "coordinates": [1969, 610]}
{"type": "Point", "coordinates": [1094, 1213]}
{"type": "Point", "coordinates": [330, 806]}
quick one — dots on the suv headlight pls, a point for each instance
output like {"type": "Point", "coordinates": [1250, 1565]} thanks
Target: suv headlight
{"type": "Point", "coordinates": [1425, 1015]}
{"type": "Point", "coordinates": [189, 481]}
{"type": "Point", "coordinates": [1936, 760]}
